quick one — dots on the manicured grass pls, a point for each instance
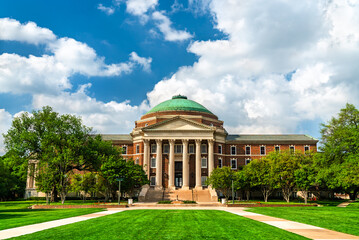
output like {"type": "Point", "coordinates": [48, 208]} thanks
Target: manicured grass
{"type": "Point", "coordinates": [339, 219]}
{"type": "Point", "coordinates": [16, 214]}
{"type": "Point", "coordinates": [166, 224]}
{"type": "Point", "coordinates": [269, 202]}
{"type": "Point", "coordinates": [354, 204]}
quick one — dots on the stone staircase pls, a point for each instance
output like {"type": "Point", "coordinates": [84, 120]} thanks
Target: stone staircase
{"type": "Point", "coordinates": [205, 195]}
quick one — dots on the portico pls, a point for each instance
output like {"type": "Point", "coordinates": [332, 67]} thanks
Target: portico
{"type": "Point", "coordinates": [203, 161]}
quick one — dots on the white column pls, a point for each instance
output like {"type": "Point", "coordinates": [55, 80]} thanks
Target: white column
{"type": "Point", "coordinates": [198, 164]}
{"type": "Point", "coordinates": [159, 164]}
{"type": "Point", "coordinates": [185, 164]}
{"type": "Point", "coordinates": [210, 157]}
{"type": "Point", "coordinates": [146, 156]}
{"type": "Point", "coordinates": [171, 165]}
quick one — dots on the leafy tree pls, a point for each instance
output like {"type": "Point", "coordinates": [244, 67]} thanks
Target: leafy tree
{"type": "Point", "coordinates": [260, 174]}
{"type": "Point", "coordinates": [134, 177]}
{"type": "Point", "coordinates": [58, 142]}
{"type": "Point", "coordinates": [305, 175]}
{"type": "Point", "coordinates": [339, 164]}
{"type": "Point", "coordinates": [283, 166]}
{"type": "Point", "coordinates": [83, 183]}
{"type": "Point", "coordinates": [12, 179]}
{"type": "Point", "coordinates": [242, 182]}
{"type": "Point", "coordinates": [221, 179]}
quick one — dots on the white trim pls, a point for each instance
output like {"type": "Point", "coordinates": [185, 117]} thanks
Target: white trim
{"type": "Point", "coordinates": [137, 161]}
{"type": "Point", "coordinates": [260, 150]}
{"type": "Point", "coordinates": [153, 177]}
{"type": "Point", "coordinates": [204, 145]}
{"type": "Point", "coordinates": [245, 150]}
{"type": "Point", "coordinates": [153, 165]}
{"type": "Point", "coordinates": [189, 147]}
{"type": "Point", "coordinates": [180, 146]}
{"type": "Point", "coordinates": [137, 146]}
{"type": "Point", "coordinates": [124, 152]}
{"type": "Point", "coordinates": [220, 161]}
{"type": "Point", "coordinates": [292, 146]}
{"type": "Point", "coordinates": [234, 159]}
{"type": "Point", "coordinates": [235, 150]}
{"type": "Point", "coordinates": [308, 146]}
{"type": "Point", "coordinates": [247, 161]}
{"type": "Point", "coordinates": [155, 148]}
{"type": "Point", "coordinates": [277, 146]}
{"type": "Point", "coordinates": [202, 162]}
{"type": "Point", "coordinates": [164, 148]}
{"type": "Point", "coordinates": [220, 146]}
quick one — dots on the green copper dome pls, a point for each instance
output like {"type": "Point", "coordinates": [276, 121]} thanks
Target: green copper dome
{"type": "Point", "coordinates": [179, 103]}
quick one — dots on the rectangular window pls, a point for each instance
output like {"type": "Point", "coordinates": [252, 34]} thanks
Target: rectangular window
{"type": "Point", "coordinates": [124, 149]}
{"type": "Point", "coordinates": [277, 148]}
{"type": "Point", "coordinates": [166, 148]}
{"type": "Point", "coordinates": [191, 148]}
{"type": "Point", "coordinates": [203, 148]}
{"type": "Point", "coordinates": [153, 148]}
{"type": "Point", "coordinates": [204, 163]}
{"type": "Point", "coordinates": [178, 148]}
{"type": "Point", "coordinates": [220, 162]}
{"type": "Point", "coordinates": [306, 149]}
{"type": "Point", "coordinates": [203, 180]}
{"type": "Point", "coordinates": [233, 150]}
{"type": "Point", "coordinates": [263, 150]}
{"type": "Point", "coordinates": [153, 162]}
{"type": "Point", "coordinates": [248, 150]}
{"type": "Point", "coordinates": [247, 161]}
{"type": "Point", "coordinates": [234, 163]}
{"type": "Point", "coordinates": [137, 161]}
{"type": "Point", "coordinates": [291, 149]}
{"type": "Point", "coordinates": [220, 149]}
{"type": "Point", "coordinates": [152, 181]}
{"type": "Point", "coordinates": [137, 148]}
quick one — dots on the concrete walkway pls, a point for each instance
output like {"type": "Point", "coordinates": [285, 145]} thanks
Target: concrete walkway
{"type": "Point", "coordinates": [18, 231]}
{"type": "Point", "coordinates": [309, 231]}
{"type": "Point", "coordinates": [345, 204]}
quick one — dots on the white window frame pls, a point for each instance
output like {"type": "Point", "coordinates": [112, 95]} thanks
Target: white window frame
{"type": "Point", "coordinates": [220, 163]}
{"type": "Point", "coordinates": [137, 161]}
{"type": "Point", "coordinates": [290, 148]}
{"type": "Point", "coordinates": [250, 150]}
{"type": "Point", "coordinates": [153, 148]}
{"type": "Point", "coordinates": [180, 146]}
{"type": "Point", "coordinates": [138, 148]}
{"type": "Point", "coordinates": [235, 160]}
{"type": "Point", "coordinates": [260, 150]}
{"type": "Point", "coordinates": [153, 162]}
{"type": "Point", "coordinates": [220, 148]}
{"type": "Point", "coordinates": [203, 180]}
{"type": "Point", "coordinates": [276, 149]}
{"type": "Point", "coordinates": [204, 148]}
{"type": "Point", "coordinates": [247, 161]}
{"type": "Point", "coordinates": [235, 150]}
{"type": "Point", "coordinates": [166, 148]}
{"type": "Point", "coordinates": [307, 151]}
{"type": "Point", "coordinates": [190, 147]}
{"type": "Point", "coordinates": [124, 149]}
{"type": "Point", "coordinates": [203, 166]}
{"type": "Point", "coordinates": [153, 179]}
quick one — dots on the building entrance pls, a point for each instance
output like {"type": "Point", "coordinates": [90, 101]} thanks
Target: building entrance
{"type": "Point", "coordinates": [178, 174]}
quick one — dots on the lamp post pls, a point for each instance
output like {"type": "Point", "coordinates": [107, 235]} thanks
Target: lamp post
{"type": "Point", "coordinates": [119, 179]}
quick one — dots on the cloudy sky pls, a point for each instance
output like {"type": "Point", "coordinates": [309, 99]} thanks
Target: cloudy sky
{"type": "Point", "coordinates": [278, 66]}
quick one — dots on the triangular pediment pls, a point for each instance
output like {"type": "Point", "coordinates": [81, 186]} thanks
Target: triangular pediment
{"type": "Point", "coordinates": [178, 124]}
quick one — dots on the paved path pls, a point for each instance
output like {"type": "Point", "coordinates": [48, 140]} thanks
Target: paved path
{"type": "Point", "coordinates": [305, 230]}
{"type": "Point", "coordinates": [18, 231]}
{"type": "Point", "coordinates": [302, 229]}
{"type": "Point", "coordinates": [344, 204]}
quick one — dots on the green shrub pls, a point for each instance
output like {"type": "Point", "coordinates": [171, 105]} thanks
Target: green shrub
{"type": "Point", "coordinates": [165, 202]}
{"type": "Point", "coordinates": [189, 202]}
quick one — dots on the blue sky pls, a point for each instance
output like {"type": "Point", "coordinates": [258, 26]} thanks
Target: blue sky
{"type": "Point", "coordinates": [261, 66]}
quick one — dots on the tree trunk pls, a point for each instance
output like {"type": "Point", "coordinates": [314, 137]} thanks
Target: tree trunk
{"type": "Point", "coordinates": [54, 195]}
{"type": "Point", "coordinates": [286, 193]}
{"type": "Point", "coordinates": [248, 193]}
{"type": "Point", "coordinates": [63, 197]}
{"type": "Point", "coordinates": [305, 193]}
{"type": "Point", "coordinates": [47, 198]}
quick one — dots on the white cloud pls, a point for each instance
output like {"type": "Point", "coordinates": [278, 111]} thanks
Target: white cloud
{"type": "Point", "coordinates": [245, 80]}
{"type": "Point", "coordinates": [13, 30]}
{"type": "Point", "coordinates": [5, 123]}
{"type": "Point", "coordinates": [140, 7]}
{"type": "Point", "coordinates": [110, 117]}
{"type": "Point", "coordinates": [107, 10]}
{"type": "Point", "coordinates": [144, 62]}
{"type": "Point", "coordinates": [164, 25]}
{"type": "Point", "coordinates": [50, 73]}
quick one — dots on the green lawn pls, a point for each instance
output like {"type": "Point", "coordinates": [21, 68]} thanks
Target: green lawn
{"type": "Point", "coordinates": [16, 214]}
{"type": "Point", "coordinates": [354, 204]}
{"type": "Point", "coordinates": [339, 219]}
{"type": "Point", "coordinates": [166, 224]}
